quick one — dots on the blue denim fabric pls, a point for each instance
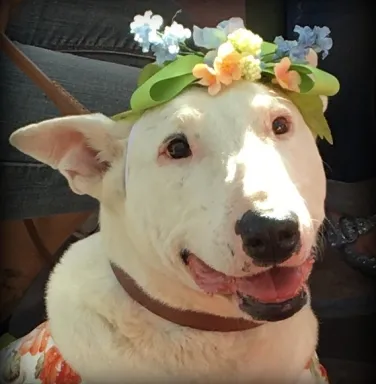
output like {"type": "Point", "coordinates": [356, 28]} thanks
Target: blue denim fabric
{"type": "Point", "coordinates": [98, 29]}
{"type": "Point", "coordinates": [100, 75]}
{"type": "Point", "coordinates": [31, 189]}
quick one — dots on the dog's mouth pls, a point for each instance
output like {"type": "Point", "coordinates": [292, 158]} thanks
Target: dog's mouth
{"type": "Point", "coordinates": [273, 295]}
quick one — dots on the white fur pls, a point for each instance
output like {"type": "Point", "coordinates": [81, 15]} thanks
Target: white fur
{"type": "Point", "coordinates": [237, 164]}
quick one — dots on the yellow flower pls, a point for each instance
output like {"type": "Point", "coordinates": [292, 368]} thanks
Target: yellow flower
{"type": "Point", "coordinates": [250, 67]}
{"type": "Point", "coordinates": [227, 64]}
{"type": "Point", "coordinates": [246, 41]}
{"type": "Point", "coordinates": [207, 78]}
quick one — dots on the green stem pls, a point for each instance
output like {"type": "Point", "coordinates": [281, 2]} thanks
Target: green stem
{"type": "Point", "coordinates": [268, 57]}
{"type": "Point", "coordinates": [190, 50]}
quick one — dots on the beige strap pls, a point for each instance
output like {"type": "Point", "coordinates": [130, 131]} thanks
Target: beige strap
{"type": "Point", "coordinates": [63, 100]}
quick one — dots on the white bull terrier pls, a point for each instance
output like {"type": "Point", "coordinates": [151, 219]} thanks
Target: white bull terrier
{"type": "Point", "coordinates": [209, 218]}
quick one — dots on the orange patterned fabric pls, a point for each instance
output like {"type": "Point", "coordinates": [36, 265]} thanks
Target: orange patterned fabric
{"type": "Point", "coordinates": [36, 359]}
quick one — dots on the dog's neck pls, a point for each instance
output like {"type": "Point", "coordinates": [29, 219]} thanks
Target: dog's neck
{"type": "Point", "coordinates": [198, 320]}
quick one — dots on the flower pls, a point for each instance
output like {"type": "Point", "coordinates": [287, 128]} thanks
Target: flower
{"type": "Point", "coordinates": [153, 21]}
{"type": "Point", "coordinates": [312, 58]}
{"type": "Point", "coordinates": [290, 48]}
{"type": "Point", "coordinates": [323, 43]}
{"type": "Point", "coordinates": [210, 57]}
{"type": "Point", "coordinates": [284, 77]}
{"type": "Point", "coordinates": [212, 38]}
{"type": "Point", "coordinates": [297, 50]}
{"type": "Point", "coordinates": [167, 46]}
{"type": "Point", "coordinates": [145, 29]}
{"type": "Point", "coordinates": [227, 64]}
{"type": "Point", "coordinates": [307, 36]}
{"type": "Point", "coordinates": [317, 38]}
{"type": "Point", "coordinates": [209, 38]}
{"type": "Point", "coordinates": [207, 78]}
{"type": "Point", "coordinates": [246, 41]}
{"type": "Point", "coordinates": [36, 341]}
{"type": "Point", "coordinates": [56, 370]}
{"type": "Point", "coordinates": [298, 54]}
{"type": "Point", "coordinates": [231, 25]}
{"type": "Point", "coordinates": [177, 30]}
{"type": "Point", "coordinates": [250, 68]}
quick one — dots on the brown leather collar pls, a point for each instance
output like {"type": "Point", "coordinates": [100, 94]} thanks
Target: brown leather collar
{"type": "Point", "coordinates": [192, 319]}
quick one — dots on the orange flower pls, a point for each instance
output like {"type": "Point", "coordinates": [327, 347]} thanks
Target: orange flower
{"type": "Point", "coordinates": [227, 64]}
{"type": "Point", "coordinates": [56, 370]}
{"type": "Point", "coordinates": [208, 78]}
{"type": "Point", "coordinates": [227, 67]}
{"type": "Point", "coordinates": [36, 341]}
{"type": "Point", "coordinates": [287, 79]}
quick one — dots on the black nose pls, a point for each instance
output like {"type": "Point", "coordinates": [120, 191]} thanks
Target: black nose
{"type": "Point", "coordinates": [266, 239]}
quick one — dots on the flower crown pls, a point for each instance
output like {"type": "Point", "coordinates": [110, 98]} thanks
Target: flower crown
{"type": "Point", "coordinates": [216, 57]}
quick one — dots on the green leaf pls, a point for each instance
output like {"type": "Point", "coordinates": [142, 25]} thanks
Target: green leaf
{"type": "Point", "coordinates": [148, 71]}
{"type": "Point", "coordinates": [267, 48]}
{"type": "Point", "coordinates": [268, 69]}
{"type": "Point", "coordinates": [306, 83]}
{"type": "Point", "coordinates": [323, 83]}
{"type": "Point", "coordinates": [165, 84]}
{"type": "Point", "coordinates": [311, 108]}
{"type": "Point", "coordinates": [127, 115]}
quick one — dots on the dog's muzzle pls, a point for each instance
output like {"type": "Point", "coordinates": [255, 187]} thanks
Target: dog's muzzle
{"type": "Point", "coordinates": [268, 240]}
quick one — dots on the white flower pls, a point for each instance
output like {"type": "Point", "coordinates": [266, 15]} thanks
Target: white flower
{"type": "Point", "coordinates": [145, 29]}
{"type": "Point", "coordinates": [148, 19]}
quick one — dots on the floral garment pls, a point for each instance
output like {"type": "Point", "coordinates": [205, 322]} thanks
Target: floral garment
{"type": "Point", "coordinates": [35, 359]}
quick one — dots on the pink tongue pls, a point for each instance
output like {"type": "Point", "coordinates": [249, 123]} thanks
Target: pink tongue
{"type": "Point", "coordinates": [277, 284]}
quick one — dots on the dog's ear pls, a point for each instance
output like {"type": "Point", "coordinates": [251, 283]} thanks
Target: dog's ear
{"type": "Point", "coordinates": [82, 148]}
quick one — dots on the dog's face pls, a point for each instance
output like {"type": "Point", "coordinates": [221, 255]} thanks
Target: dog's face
{"type": "Point", "coordinates": [224, 188]}
{"type": "Point", "coordinates": [224, 193]}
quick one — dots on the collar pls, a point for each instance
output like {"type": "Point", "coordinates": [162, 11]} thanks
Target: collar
{"type": "Point", "coordinates": [186, 318]}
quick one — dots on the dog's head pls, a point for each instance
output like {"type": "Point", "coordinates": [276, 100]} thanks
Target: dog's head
{"type": "Point", "coordinates": [224, 193]}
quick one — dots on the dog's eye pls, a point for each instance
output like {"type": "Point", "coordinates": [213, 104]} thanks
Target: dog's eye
{"type": "Point", "coordinates": [280, 125]}
{"type": "Point", "coordinates": [178, 148]}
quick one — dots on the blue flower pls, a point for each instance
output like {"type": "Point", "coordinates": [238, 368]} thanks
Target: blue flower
{"type": "Point", "coordinates": [298, 54]}
{"type": "Point", "coordinates": [167, 46]}
{"type": "Point", "coordinates": [323, 42]}
{"type": "Point", "coordinates": [297, 50]}
{"type": "Point", "coordinates": [290, 48]}
{"type": "Point", "coordinates": [163, 52]}
{"type": "Point", "coordinates": [231, 25]}
{"type": "Point", "coordinates": [145, 29]}
{"type": "Point", "coordinates": [212, 38]}
{"type": "Point", "coordinates": [307, 36]}
{"type": "Point", "coordinates": [209, 38]}
{"type": "Point", "coordinates": [317, 38]}
{"type": "Point", "coordinates": [283, 46]}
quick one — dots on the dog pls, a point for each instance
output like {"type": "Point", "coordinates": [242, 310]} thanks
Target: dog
{"type": "Point", "coordinates": [208, 205]}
